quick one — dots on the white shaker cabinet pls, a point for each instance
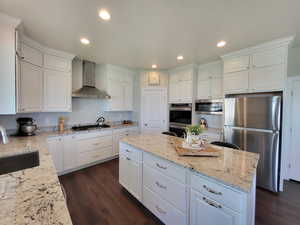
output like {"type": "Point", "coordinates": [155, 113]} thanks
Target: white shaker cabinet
{"type": "Point", "coordinates": [119, 134]}
{"type": "Point", "coordinates": [260, 68]}
{"type": "Point", "coordinates": [130, 170]}
{"type": "Point", "coordinates": [57, 91]}
{"type": "Point", "coordinates": [181, 85]}
{"type": "Point", "coordinates": [30, 88]}
{"type": "Point", "coordinates": [70, 152]}
{"type": "Point", "coordinates": [118, 82]}
{"type": "Point", "coordinates": [209, 212]}
{"type": "Point", "coordinates": [210, 82]}
{"type": "Point", "coordinates": [56, 147]}
{"type": "Point", "coordinates": [31, 55]}
{"type": "Point", "coordinates": [57, 63]}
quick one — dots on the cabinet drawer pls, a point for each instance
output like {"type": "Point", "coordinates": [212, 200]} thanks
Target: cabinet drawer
{"type": "Point", "coordinates": [57, 63]}
{"type": "Point", "coordinates": [218, 192]}
{"type": "Point", "coordinates": [32, 55]}
{"type": "Point", "coordinates": [93, 134]}
{"type": "Point", "coordinates": [166, 187]}
{"type": "Point", "coordinates": [168, 168]}
{"type": "Point", "coordinates": [94, 143]}
{"type": "Point", "coordinates": [93, 156]}
{"type": "Point", "coordinates": [162, 209]}
{"type": "Point", "coordinates": [130, 152]}
{"type": "Point", "coordinates": [204, 210]}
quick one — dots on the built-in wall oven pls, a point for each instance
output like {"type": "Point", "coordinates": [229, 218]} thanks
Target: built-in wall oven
{"type": "Point", "coordinates": [180, 116]}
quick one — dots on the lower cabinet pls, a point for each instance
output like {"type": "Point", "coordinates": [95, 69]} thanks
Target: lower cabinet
{"type": "Point", "coordinates": [56, 147]}
{"type": "Point", "coordinates": [130, 172]}
{"type": "Point", "coordinates": [180, 196]}
{"type": "Point", "coordinates": [119, 134]}
{"type": "Point", "coordinates": [209, 212]}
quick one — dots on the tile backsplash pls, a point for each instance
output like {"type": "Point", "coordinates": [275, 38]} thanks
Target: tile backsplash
{"type": "Point", "coordinates": [83, 111]}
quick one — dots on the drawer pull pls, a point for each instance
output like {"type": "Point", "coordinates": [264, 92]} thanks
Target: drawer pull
{"type": "Point", "coordinates": [161, 211]}
{"type": "Point", "coordinates": [212, 203]}
{"type": "Point", "coordinates": [96, 156]}
{"type": "Point", "coordinates": [127, 158]}
{"type": "Point", "coordinates": [96, 144]}
{"type": "Point", "coordinates": [160, 166]}
{"type": "Point", "coordinates": [212, 191]}
{"type": "Point", "coordinates": [160, 185]}
{"type": "Point", "coordinates": [128, 151]}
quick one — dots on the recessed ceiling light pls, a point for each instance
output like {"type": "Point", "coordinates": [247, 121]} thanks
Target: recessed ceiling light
{"type": "Point", "coordinates": [85, 41]}
{"type": "Point", "coordinates": [154, 66]}
{"type": "Point", "coordinates": [221, 44]}
{"type": "Point", "coordinates": [104, 14]}
{"type": "Point", "coordinates": [180, 57]}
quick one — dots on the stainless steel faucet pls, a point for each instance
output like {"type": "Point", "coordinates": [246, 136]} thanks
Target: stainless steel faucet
{"type": "Point", "coordinates": [4, 135]}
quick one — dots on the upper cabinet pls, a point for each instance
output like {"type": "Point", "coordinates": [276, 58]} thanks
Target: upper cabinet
{"type": "Point", "coordinates": [181, 86]}
{"type": "Point", "coordinates": [210, 81]}
{"type": "Point", "coordinates": [8, 39]}
{"type": "Point", "coordinates": [44, 79]}
{"type": "Point", "coordinates": [118, 82]}
{"type": "Point", "coordinates": [258, 69]}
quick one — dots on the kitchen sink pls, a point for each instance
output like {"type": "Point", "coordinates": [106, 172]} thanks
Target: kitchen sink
{"type": "Point", "coordinates": [15, 163]}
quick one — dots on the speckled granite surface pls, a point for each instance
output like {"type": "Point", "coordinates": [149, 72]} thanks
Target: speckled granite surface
{"type": "Point", "coordinates": [234, 168]}
{"type": "Point", "coordinates": [33, 196]}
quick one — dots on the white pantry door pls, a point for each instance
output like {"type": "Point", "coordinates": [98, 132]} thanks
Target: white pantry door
{"type": "Point", "coordinates": [154, 110]}
{"type": "Point", "coordinates": [295, 121]}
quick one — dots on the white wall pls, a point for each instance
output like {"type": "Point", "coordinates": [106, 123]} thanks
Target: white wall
{"type": "Point", "coordinates": [84, 111]}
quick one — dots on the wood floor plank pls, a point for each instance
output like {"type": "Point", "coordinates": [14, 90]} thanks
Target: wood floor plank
{"type": "Point", "coordinates": [95, 197]}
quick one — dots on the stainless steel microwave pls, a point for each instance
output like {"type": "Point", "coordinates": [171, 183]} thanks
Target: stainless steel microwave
{"type": "Point", "coordinates": [209, 106]}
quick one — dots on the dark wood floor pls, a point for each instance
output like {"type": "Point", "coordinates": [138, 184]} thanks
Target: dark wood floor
{"type": "Point", "coordinates": [95, 197]}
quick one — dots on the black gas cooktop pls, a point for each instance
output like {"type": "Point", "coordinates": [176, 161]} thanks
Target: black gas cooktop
{"type": "Point", "coordinates": [89, 127]}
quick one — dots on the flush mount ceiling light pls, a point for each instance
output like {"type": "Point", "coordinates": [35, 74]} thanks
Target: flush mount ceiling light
{"type": "Point", "coordinates": [221, 44]}
{"type": "Point", "coordinates": [180, 57]}
{"type": "Point", "coordinates": [154, 66]}
{"type": "Point", "coordinates": [104, 14]}
{"type": "Point", "coordinates": [84, 41]}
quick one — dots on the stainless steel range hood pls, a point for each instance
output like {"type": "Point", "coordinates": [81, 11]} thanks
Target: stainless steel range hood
{"type": "Point", "coordinates": [88, 89]}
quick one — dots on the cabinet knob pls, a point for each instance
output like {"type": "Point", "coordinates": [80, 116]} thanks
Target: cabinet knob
{"type": "Point", "coordinates": [146, 124]}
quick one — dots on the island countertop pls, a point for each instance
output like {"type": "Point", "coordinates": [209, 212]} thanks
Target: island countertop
{"type": "Point", "coordinates": [235, 168]}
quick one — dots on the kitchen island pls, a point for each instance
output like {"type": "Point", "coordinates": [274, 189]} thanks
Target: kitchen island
{"type": "Point", "coordinates": [189, 190]}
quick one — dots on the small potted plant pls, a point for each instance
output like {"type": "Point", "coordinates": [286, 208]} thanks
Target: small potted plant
{"type": "Point", "coordinates": [193, 133]}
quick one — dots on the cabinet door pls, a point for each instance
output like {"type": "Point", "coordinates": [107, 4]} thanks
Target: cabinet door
{"type": "Point", "coordinates": [30, 92]}
{"type": "Point", "coordinates": [135, 178]}
{"type": "Point", "coordinates": [128, 96]}
{"type": "Point", "coordinates": [236, 82]}
{"type": "Point", "coordinates": [57, 91]}
{"type": "Point", "coordinates": [124, 172]}
{"type": "Point", "coordinates": [205, 211]}
{"type": "Point", "coordinates": [173, 92]}
{"type": "Point", "coordinates": [270, 57]}
{"type": "Point", "coordinates": [204, 89]}
{"type": "Point", "coordinates": [70, 152]}
{"type": "Point", "coordinates": [116, 91]}
{"type": "Point", "coordinates": [185, 91]}
{"type": "Point", "coordinates": [267, 78]}
{"type": "Point", "coordinates": [57, 63]}
{"type": "Point", "coordinates": [55, 147]}
{"type": "Point", "coordinates": [236, 64]}
{"type": "Point", "coordinates": [216, 87]}
{"type": "Point", "coordinates": [31, 55]}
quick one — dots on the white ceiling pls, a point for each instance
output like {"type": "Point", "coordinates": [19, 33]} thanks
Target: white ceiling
{"type": "Point", "coordinates": [143, 32]}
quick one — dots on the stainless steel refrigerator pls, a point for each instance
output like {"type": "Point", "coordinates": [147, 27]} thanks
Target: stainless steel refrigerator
{"type": "Point", "coordinates": [253, 122]}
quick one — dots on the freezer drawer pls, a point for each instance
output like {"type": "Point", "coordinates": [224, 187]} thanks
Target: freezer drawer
{"type": "Point", "coordinates": [267, 145]}
{"type": "Point", "coordinates": [264, 142]}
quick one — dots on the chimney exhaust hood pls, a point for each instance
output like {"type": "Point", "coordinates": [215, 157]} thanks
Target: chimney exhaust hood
{"type": "Point", "coordinates": [88, 89]}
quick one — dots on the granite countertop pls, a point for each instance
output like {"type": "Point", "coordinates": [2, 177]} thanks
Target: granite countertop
{"type": "Point", "coordinates": [34, 196]}
{"type": "Point", "coordinates": [233, 167]}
